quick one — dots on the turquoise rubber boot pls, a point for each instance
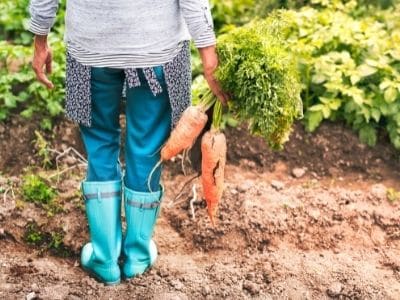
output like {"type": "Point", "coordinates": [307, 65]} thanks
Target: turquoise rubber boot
{"type": "Point", "coordinates": [103, 211]}
{"type": "Point", "coordinates": [139, 250]}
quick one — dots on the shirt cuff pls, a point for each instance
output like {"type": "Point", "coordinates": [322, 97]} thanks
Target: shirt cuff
{"type": "Point", "coordinates": [37, 28]}
{"type": "Point", "coordinates": [206, 39]}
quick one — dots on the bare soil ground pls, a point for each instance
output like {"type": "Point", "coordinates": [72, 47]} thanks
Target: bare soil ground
{"type": "Point", "coordinates": [311, 222]}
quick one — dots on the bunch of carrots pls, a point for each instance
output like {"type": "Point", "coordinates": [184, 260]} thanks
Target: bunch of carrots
{"type": "Point", "coordinates": [260, 72]}
{"type": "Point", "coordinates": [213, 148]}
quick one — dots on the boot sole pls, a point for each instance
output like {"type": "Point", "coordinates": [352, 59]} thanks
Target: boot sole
{"type": "Point", "coordinates": [95, 276]}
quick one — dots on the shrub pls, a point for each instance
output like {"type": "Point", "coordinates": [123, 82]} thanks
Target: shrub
{"type": "Point", "coordinates": [350, 67]}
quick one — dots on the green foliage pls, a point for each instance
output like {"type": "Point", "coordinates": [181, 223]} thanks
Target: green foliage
{"type": "Point", "coordinates": [35, 189]}
{"type": "Point", "coordinates": [350, 67]}
{"type": "Point", "coordinates": [33, 235]}
{"type": "Point", "coordinates": [262, 76]}
{"type": "Point", "coordinates": [46, 241]}
{"type": "Point", "coordinates": [231, 12]}
{"type": "Point", "coordinates": [19, 89]}
{"type": "Point", "coordinates": [20, 92]}
{"type": "Point", "coordinates": [14, 20]}
{"type": "Point", "coordinates": [42, 148]}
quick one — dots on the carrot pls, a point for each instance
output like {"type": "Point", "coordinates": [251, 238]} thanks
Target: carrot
{"type": "Point", "coordinates": [213, 151]}
{"type": "Point", "coordinates": [183, 136]}
{"type": "Point", "coordinates": [185, 133]}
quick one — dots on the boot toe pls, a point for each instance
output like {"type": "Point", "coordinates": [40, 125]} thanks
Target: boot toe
{"type": "Point", "coordinates": [109, 273]}
{"type": "Point", "coordinates": [133, 268]}
{"type": "Point", "coordinates": [153, 252]}
{"type": "Point", "coordinates": [86, 254]}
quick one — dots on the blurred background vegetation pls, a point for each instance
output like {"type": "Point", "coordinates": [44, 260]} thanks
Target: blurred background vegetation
{"type": "Point", "coordinates": [348, 56]}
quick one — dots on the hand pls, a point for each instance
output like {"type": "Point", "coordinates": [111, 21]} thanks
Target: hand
{"type": "Point", "coordinates": [209, 59]}
{"type": "Point", "coordinates": [42, 59]}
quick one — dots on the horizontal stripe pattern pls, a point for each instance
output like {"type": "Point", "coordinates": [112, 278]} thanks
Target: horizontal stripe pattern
{"type": "Point", "coordinates": [38, 28]}
{"type": "Point", "coordinates": [107, 35]}
{"type": "Point", "coordinates": [122, 61]}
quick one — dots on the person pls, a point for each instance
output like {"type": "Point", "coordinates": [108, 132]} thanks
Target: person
{"type": "Point", "coordinates": [140, 48]}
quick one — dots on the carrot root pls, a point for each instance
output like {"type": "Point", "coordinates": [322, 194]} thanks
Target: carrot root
{"type": "Point", "coordinates": [185, 133]}
{"type": "Point", "coordinates": [213, 149]}
{"type": "Point", "coordinates": [151, 174]}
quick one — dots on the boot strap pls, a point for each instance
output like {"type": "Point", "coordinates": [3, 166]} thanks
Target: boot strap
{"type": "Point", "coordinates": [150, 205]}
{"type": "Point", "coordinates": [102, 195]}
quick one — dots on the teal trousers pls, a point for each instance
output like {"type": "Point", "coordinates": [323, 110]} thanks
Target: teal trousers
{"type": "Point", "coordinates": [148, 123]}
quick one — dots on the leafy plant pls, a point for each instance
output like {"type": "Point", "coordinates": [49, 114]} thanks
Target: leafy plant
{"type": "Point", "coordinates": [263, 79]}
{"type": "Point", "coordinates": [33, 235]}
{"type": "Point", "coordinates": [42, 148]}
{"type": "Point", "coordinates": [350, 68]}
{"type": "Point", "coordinates": [20, 92]}
{"type": "Point", "coordinates": [35, 189]}
{"type": "Point", "coordinates": [52, 241]}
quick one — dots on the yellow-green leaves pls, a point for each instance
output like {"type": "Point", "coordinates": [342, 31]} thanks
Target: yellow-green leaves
{"type": "Point", "coordinates": [350, 66]}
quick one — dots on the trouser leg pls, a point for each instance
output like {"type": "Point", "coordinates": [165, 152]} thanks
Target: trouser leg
{"type": "Point", "coordinates": [148, 121]}
{"type": "Point", "coordinates": [102, 187]}
{"type": "Point", "coordinates": [102, 139]}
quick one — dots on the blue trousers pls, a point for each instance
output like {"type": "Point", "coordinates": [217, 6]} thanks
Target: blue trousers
{"type": "Point", "coordinates": [148, 123]}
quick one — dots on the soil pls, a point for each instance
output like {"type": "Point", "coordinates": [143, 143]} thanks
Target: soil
{"type": "Point", "coordinates": [319, 220]}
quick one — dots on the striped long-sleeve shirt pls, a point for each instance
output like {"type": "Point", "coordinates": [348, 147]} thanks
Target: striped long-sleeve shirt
{"type": "Point", "coordinates": [127, 33]}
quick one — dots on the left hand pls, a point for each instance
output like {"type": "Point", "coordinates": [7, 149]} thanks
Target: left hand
{"type": "Point", "coordinates": [209, 59]}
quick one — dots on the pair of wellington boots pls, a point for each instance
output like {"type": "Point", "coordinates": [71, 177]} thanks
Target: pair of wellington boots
{"type": "Point", "coordinates": [100, 257]}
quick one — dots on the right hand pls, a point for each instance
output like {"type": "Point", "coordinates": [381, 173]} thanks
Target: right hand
{"type": "Point", "coordinates": [42, 60]}
{"type": "Point", "coordinates": [210, 62]}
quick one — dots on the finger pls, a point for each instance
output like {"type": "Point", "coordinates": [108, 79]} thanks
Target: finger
{"type": "Point", "coordinates": [49, 61]}
{"type": "Point", "coordinates": [41, 76]}
{"type": "Point", "coordinates": [220, 95]}
{"type": "Point", "coordinates": [217, 90]}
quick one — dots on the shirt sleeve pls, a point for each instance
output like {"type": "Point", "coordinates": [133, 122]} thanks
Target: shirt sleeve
{"type": "Point", "coordinates": [43, 14]}
{"type": "Point", "coordinates": [198, 18]}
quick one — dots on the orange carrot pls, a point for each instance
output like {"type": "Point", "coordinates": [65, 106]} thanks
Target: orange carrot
{"type": "Point", "coordinates": [184, 135]}
{"type": "Point", "coordinates": [213, 150]}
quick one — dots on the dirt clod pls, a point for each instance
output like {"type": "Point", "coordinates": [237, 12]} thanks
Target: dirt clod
{"type": "Point", "coordinates": [334, 289]}
{"type": "Point", "coordinates": [251, 287]}
{"type": "Point", "coordinates": [278, 185]}
{"type": "Point", "coordinates": [298, 172]}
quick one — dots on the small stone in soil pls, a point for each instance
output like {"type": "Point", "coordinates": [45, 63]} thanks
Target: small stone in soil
{"type": "Point", "coordinates": [251, 287]}
{"type": "Point", "coordinates": [245, 186]}
{"type": "Point", "coordinates": [233, 191]}
{"type": "Point", "coordinates": [250, 276]}
{"type": "Point", "coordinates": [31, 296]}
{"type": "Point", "coordinates": [176, 284]}
{"type": "Point", "coordinates": [35, 287]}
{"type": "Point", "coordinates": [334, 289]}
{"type": "Point", "coordinates": [278, 185]}
{"type": "Point", "coordinates": [163, 272]}
{"type": "Point", "coordinates": [379, 191]}
{"type": "Point", "coordinates": [205, 290]}
{"type": "Point", "coordinates": [314, 213]}
{"type": "Point", "coordinates": [298, 172]}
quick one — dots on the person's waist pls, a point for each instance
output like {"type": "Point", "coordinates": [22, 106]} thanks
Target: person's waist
{"type": "Point", "coordinates": [124, 60]}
